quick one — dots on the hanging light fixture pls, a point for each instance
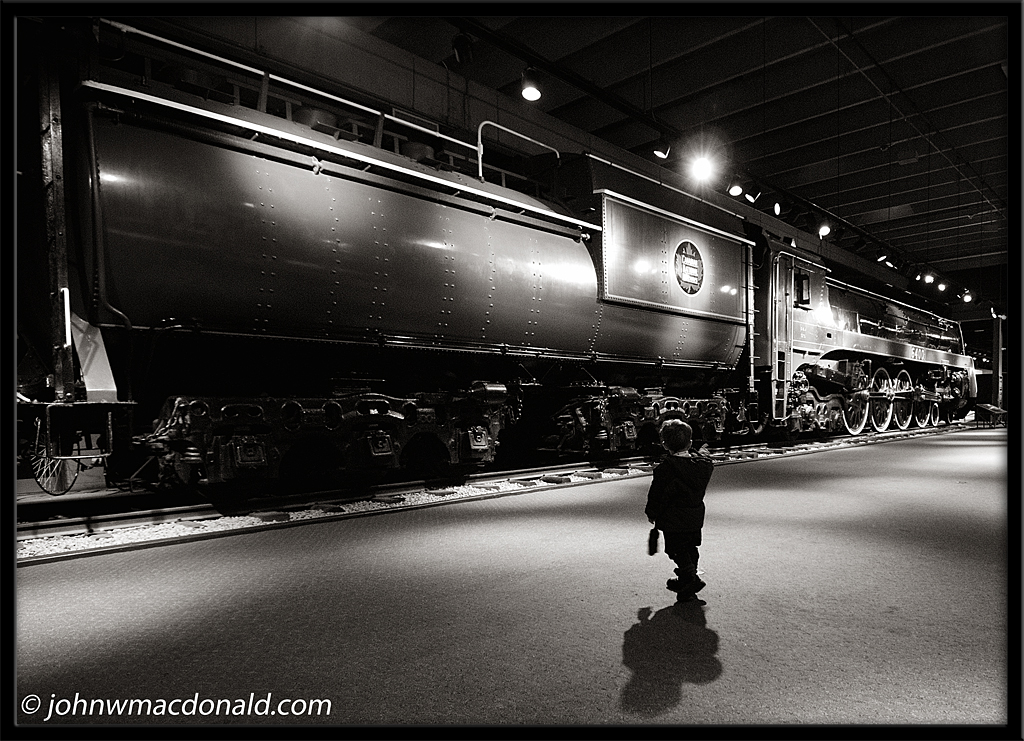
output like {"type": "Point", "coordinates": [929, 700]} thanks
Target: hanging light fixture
{"type": "Point", "coordinates": [781, 208]}
{"type": "Point", "coordinates": [701, 169]}
{"type": "Point", "coordinates": [824, 230]}
{"type": "Point", "coordinates": [531, 84]}
{"type": "Point", "coordinates": [662, 148]}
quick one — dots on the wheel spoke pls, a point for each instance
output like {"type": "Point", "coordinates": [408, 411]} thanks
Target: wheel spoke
{"type": "Point", "coordinates": [881, 406]}
{"type": "Point", "coordinates": [903, 403]}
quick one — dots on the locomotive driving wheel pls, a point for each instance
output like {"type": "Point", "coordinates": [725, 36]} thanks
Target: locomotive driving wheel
{"type": "Point", "coordinates": [881, 400]}
{"type": "Point", "coordinates": [926, 412]}
{"type": "Point", "coordinates": [855, 414]}
{"type": "Point", "coordinates": [903, 402]}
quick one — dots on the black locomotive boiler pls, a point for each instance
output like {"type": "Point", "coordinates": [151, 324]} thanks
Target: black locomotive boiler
{"type": "Point", "coordinates": [224, 281]}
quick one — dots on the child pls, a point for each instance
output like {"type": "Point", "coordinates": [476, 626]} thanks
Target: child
{"type": "Point", "coordinates": [675, 504]}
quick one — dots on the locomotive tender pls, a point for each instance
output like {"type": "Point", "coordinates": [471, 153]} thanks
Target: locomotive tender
{"type": "Point", "coordinates": [249, 280]}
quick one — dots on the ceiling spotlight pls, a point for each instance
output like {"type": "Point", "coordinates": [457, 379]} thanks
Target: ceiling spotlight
{"type": "Point", "coordinates": [941, 286]}
{"type": "Point", "coordinates": [751, 196]}
{"type": "Point", "coordinates": [881, 256]}
{"type": "Point", "coordinates": [929, 278]}
{"type": "Point", "coordinates": [735, 189]}
{"type": "Point", "coordinates": [702, 169]}
{"type": "Point", "coordinates": [968, 298]}
{"type": "Point", "coordinates": [824, 230]}
{"type": "Point", "coordinates": [663, 148]}
{"type": "Point", "coordinates": [531, 84]}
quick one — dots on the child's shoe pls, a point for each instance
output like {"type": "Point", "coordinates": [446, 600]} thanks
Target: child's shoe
{"type": "Point", "coordinates": [689, 598]}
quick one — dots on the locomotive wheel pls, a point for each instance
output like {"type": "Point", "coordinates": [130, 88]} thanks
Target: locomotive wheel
{"type": "Point", "coordinates": [834, 414]}
{"type": "Point", "coordinates": [855, 415]}
{"type": "Point", "coordinates": [903, 403]}
{"type": "Point", "coordinates": [923, 413]}
{"type": "Point", "coordinates": [881, 407]}
{"type": "Point", "coordinates": [55, 476]}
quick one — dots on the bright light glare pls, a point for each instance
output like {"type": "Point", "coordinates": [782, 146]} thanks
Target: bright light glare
{"type": "Point", "coordinates": [824, 230]}
{"type": "Point", "coordinates": [929, 278]}
{"type": "Point", "coordinates": [968, 298]}
{"type": "Point", "coordinates": [725, 289]}
{"type": "Point", "coordinates": [702, 169]}
{"type": "Point", "coordinates": [942, 286]}
{"type": "Point", "coordinates": [531, 93]}
{"type": "Point", "coordinates": [641, 266]}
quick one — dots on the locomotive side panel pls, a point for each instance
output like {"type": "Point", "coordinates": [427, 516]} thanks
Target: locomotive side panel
{"type": "Point", "coordinates": [670, 289]}
{"type": "Point", "coordinates": [232, 242]}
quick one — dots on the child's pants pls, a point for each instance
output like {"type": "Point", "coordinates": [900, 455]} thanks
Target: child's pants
{"type": "Point", "coordinates": [681, 547]}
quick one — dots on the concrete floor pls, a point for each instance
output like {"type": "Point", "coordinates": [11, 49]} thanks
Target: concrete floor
{"type": "Point", "coordinates": [860, 586]}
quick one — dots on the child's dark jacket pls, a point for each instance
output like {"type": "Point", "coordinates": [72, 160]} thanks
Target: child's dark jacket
{"type": "Point", "coordinates": [676, 497]}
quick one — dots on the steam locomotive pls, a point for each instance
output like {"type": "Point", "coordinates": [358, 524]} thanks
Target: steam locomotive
{"type": "Point", "coordinates": [224, 279]}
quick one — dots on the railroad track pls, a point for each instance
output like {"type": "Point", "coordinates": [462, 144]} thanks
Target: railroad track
{"type": "Point", "coordinates": [61, 538]}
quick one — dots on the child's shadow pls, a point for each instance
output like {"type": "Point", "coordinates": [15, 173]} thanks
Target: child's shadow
{"type": "Point", "coordinates": [664, 651]}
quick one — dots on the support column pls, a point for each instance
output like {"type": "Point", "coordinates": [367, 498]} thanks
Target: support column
{"type": "Point", "coordinates": [50, 128]}
{"type": "Point", "coordinates": [997, 362]}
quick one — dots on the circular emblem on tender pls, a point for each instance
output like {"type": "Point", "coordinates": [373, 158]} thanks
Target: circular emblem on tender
{"type": "Point", "coordinates": [689, 267]}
